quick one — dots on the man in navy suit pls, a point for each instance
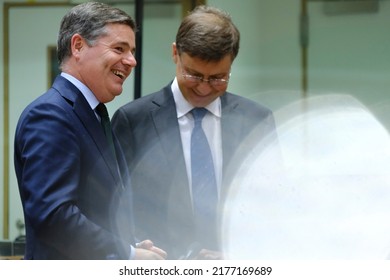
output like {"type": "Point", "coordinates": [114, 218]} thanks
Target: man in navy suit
{"type": "Point", "coordinates": [155, 133]}
{"type": "Point", "coordinates": [75, 191]}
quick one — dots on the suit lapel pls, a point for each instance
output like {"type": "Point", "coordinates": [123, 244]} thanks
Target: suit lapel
{"type": "Point", "coordinates": [167, 128]}
{"type": "Point", "coordinates": [88, 118]}
{"type": "Point", "coordinates": [230, 127]}
{"type": "Point", "coordinates": [92, 125]}
{"type": "Point", "coordinates": [165, 122]}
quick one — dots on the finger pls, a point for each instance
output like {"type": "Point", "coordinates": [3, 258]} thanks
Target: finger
{"type": "Point", "coordinates": [159, 251]}
{"type": "Point", "coordinates": [145, 244]}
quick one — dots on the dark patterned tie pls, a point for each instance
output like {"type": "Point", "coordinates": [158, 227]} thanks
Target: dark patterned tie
{"type": "Point", "coordinates": [204, 186]}
{"type": "Point", "coordinates": [101, 109]}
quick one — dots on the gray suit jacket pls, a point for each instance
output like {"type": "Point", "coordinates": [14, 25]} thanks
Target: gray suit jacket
{"type": "Point", "coordinates": [148, 131]}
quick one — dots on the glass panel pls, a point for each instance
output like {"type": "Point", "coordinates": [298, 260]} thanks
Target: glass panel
{"type": "Point", "coordinates": [349, 53]}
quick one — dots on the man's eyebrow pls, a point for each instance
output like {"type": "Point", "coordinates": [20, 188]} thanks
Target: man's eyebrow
{"type": "Point", "coordinates": [196, 73]}
{"type": "Point", "coordinates": [125, 44]}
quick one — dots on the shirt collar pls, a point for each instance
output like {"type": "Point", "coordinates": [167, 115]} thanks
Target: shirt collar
{"type": "Point", "coordinates": [87, 93]}
{"type": "Point", "coordinates": [183, 106]}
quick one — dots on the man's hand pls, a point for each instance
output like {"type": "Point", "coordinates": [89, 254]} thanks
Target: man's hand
{"type": "Point", "coordinates": [205, 254]}
{"type": "Point", "coordinates": [146, 250]}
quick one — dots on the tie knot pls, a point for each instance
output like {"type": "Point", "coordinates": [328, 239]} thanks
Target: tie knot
{"type": "Point", "coordinates": [199, 113]}
{"type": "Point", "coordinates": [101, 109]}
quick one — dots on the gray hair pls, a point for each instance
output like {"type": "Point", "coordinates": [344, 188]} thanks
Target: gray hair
{"type": "Point", "coordinates": [89, 21]}
{"type": "Point", "coordinates": [209, 34]}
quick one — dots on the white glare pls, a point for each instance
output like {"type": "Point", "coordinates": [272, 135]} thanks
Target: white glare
{"type": "Point", "coordinates": [330, 199]}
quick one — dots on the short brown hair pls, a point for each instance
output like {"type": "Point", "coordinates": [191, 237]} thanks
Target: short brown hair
{"type": "Point", "coordinates": [209, 34]}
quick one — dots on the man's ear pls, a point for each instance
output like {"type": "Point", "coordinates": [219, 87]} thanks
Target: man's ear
{"type": "Point", "coordinates": [175, 55]}
{"type": "Point", "coordinates": [77, 44]}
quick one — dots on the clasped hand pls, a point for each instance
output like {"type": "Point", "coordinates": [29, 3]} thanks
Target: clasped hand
{"type": "Point", "coordinates": [145, 250]}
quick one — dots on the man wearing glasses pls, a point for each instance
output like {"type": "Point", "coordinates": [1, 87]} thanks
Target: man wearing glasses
{"type": "Point", "coordinates": [179, 178]}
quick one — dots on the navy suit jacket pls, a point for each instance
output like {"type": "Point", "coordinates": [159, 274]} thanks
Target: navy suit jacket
{"type": "Point", "coordinates": [148, 131]}
{"type": "Point", "coordinates": [69, 184]}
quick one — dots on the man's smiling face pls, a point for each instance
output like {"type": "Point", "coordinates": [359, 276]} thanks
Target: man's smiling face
{"type": "Point", "coordinates": [104, 66]}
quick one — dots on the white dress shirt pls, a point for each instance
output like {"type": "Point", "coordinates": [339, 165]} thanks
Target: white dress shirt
{"type": "Point", "coordinates": [211, 125]}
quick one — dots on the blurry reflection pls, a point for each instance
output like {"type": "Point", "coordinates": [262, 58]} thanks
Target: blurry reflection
{"type": "Point", "coordinates": [330, 199]}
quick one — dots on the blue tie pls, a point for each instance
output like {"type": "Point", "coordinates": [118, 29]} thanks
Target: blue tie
{"type": "Point", "coordinates": [204, 186]}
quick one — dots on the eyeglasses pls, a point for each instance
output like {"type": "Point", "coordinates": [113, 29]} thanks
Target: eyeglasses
{"type": "Point", "coordinates": [212, 82]}
{"type": "Point", "coordinates": [195, 80]}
